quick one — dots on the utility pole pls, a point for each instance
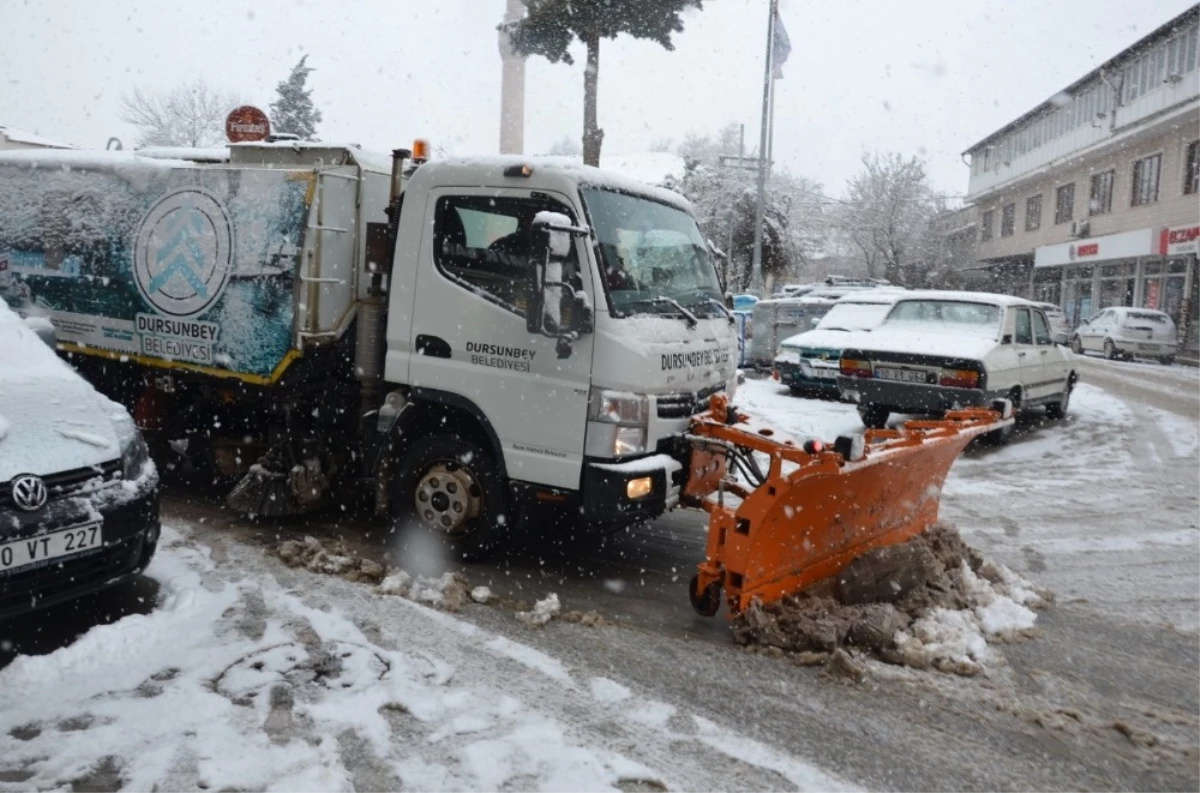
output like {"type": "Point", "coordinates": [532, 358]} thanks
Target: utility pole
{"type": "Point", "coordinates": [512, 87]}
{"type": "Point", "coordinates": [756, 261]}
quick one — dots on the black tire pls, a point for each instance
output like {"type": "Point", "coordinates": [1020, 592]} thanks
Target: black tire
{"type": "Point", "coordinates": [1077, 345]}
{"type": "Point", "coordinates": [1058, 410]}
{"type": "Point", "coordinates": [708, 602]}
{"type": "Point", "coordinates": [475, 487]}
{"type": "Point", "coordinates": [874, 416]}
{"type": "Point", "coordinates": [1167, 360]}
{"type": "Point", "coordinates": [1110, 350]}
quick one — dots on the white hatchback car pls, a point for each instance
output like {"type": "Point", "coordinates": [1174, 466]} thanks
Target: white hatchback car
{"type": "Point", "coordinates": [940, 350]}
{"type": "Point", "coordinates": [1128, 332]}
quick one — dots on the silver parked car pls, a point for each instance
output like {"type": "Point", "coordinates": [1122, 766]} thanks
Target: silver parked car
{"type": "Point", "coordinates": [1127, 333]}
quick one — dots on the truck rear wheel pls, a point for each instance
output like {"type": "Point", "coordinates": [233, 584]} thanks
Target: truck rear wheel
{"type": "Point", "coordinates": [449, 486]}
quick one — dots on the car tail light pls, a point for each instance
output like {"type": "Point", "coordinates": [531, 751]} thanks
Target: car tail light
{"type": "Point", "coordinates": [960, 378]}
{"type": "Point", "coordinates": [775, 375]}
{"type": "Point", "coordinates": [852, 367]}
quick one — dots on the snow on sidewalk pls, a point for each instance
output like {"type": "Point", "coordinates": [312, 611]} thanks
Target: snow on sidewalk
{"type": "Point", "coordinates": [250, 675]}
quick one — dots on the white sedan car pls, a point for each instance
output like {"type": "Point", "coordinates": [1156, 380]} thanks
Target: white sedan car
{"type": "Point", "coordinates": [940, 350]}
{"type": "Point", "coordinates": [1128, 332]}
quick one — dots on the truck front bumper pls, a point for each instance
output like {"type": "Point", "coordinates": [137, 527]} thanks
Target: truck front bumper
{"type": "Point", "coordinates": [610, 489]}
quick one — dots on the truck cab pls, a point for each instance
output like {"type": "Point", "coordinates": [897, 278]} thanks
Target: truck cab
{"type": "Point", "coordinates": [587, 415]}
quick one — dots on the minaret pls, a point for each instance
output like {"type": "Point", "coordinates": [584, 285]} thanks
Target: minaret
{"type": "Point", "coordinates": [512, 88]}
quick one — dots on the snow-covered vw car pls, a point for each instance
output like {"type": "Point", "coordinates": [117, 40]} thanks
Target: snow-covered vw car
{"type": "Point", "coordinates": [1128, 333]}
{"type": "Point", "coordinates": [808, 362]}
{"type": "Point", "coordinates": [940, 350]}
{"type": "Point", "coordinates": [78, 491]}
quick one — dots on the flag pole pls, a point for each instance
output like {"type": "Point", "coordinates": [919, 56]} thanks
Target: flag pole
{"type": "Point", "coordinates": [756, 261]}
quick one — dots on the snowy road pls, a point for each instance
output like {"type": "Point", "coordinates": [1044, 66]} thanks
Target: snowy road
{"type": "Point", "coordinates": [1101, 508]}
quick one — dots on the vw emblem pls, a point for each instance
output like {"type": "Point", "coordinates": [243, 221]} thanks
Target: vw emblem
{"type": "Point", "coordinates": [29, 492]}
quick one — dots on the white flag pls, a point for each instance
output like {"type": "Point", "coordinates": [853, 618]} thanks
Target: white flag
{"type": "Point", "coordinates": [781, 47]}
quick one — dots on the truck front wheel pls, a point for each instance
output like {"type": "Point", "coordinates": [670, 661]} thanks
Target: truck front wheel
{"type": "Point", "coordinates": [449, 486]}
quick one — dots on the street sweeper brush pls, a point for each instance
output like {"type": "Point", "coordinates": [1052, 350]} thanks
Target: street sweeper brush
{"type": "Point", "coordinates": [816, 508]}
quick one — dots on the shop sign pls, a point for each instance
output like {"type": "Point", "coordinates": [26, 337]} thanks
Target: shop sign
{"type": "Point", "coordinates": [1179, 241]}
{"type": "Point", "coordinates": [1125, 245]}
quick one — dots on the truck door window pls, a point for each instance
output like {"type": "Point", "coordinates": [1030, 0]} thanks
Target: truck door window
{"type": "Point", "coordinates": [482, 244]}
{"type": "Point", "coordinates": [1024, 333]}
{"type": "Point", "coordinates": [1041, 330]}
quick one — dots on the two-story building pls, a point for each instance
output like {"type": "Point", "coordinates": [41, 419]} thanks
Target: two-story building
{"type": "Point", "coordinates": [1092, 198]}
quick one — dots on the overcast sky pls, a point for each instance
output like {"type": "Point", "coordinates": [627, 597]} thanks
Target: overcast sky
{"type": "Point", "coordinates": [919, 77]}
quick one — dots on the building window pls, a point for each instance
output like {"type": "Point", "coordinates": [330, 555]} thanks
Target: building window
{"type": "Point", "coordinates": [985, 226]}
{"type": "Point", "coordinates": [1033, 213]}
{"type": "Point", "coordinates": [1100, 198]}
{"type": "Point", "coordinates": [1064, 204]}
{"type": "Point", "coordinates": [1191, 169]}
{"type": "Point", "coordinates": [1008, 220]}
{"type": "Point", "coordinates": [1145, 180]}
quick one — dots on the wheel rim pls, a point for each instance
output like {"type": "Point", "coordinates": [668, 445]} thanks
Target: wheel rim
{"type": "Point", "coordinates": [448, 497]}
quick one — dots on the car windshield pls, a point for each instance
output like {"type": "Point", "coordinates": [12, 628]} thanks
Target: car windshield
{"type": "Point", "coordinates": [854, 316]}
{"type": "Point", "coordinates": [947, 316]}
{"type": "Point", "coordinates": [652, 255]}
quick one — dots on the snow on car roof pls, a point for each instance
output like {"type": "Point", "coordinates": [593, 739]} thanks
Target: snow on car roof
{"type": "Point", "coordinates": [873, 296]}
{"type": "Point", "coordinates": [966, 297]}
{"type": "Point", "coordinates": [216, 154]}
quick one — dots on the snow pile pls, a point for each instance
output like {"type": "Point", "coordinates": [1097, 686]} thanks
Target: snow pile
{"type": "Point", "coordinates": [312, 555]}
{"type": "Point", "coordinates": [543, 611]}
{"type": "Point", "coordinates": [932, 603]}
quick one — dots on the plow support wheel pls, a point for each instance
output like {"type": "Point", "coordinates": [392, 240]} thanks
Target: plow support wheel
{"type": "Point", "coordinates": [814, 511]}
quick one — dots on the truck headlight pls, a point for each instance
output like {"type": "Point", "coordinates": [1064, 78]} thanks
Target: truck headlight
{"type": "Point", "coordinates": [620, 421]}
{"type": "Point", "coordinates": [618, 407]}
{"type": "Point", "coordinates": [629, 440]}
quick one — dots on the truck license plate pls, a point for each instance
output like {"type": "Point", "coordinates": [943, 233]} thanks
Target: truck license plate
{"type": "Point", "coordinates": [43, 547]}
{"type": "Point", "coordinates": [901, 375]}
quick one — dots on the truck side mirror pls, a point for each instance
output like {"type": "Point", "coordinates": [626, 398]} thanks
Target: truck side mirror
{"type": "Point", "coordinates": [553, 236]}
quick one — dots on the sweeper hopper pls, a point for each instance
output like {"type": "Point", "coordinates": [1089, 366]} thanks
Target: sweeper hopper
{"type": "Point", "coordinates": [816, 507]}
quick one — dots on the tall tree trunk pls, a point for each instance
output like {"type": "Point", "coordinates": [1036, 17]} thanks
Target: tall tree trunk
{"type": "Point", "coordinates": [593, 136]}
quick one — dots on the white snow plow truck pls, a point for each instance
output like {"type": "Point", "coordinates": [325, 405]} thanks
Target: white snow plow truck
{"type": "Point", "coordinates": [456, 339]}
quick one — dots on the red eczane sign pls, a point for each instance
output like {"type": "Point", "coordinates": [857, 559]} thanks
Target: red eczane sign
{"type": "Point", "coordinates": [1091, 249]}
{"type": "Point", "coordinates": [246, 123]}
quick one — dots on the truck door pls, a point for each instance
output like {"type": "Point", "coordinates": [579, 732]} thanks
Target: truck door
{"type": "Point", "coordinates": [469, 334]}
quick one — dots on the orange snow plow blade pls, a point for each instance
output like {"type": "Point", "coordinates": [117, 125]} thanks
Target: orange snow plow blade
{"type": "Point", "coordinates": [815, 508]}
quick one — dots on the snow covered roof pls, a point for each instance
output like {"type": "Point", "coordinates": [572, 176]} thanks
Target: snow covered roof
{"type": "Point", "coordinates": [31, 139]}
{"type": "Point", "coordinates": [373, 161]}
{"type": "Point", "coordinates": [84, 159]}
{"type": "Point", "coordinates": [219, 154]}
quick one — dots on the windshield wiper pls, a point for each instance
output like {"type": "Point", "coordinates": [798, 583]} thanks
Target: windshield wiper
{"type": "Point", "coordinates": [661, 300]}
{"type": "Point", "coordinates": [712, 301]}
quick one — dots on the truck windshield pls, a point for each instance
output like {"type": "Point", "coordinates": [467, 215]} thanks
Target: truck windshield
{"type": "Point", "coordinates": [652, 256]}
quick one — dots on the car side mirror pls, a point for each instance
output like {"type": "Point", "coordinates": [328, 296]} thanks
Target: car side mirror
{"type": "Point", "coordinates": [552, 237]}
{"type": "Point", "coordinates": [1006, 338]}
{"type": "Point", "coordinates": [1060, 338]}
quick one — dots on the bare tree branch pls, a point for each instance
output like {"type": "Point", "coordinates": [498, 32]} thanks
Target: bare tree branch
{"type": "Point", "coordinates": [192, 115]}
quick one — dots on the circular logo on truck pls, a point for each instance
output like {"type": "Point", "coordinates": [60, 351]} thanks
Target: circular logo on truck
{"type": "Point", "coordinates": [183, 252]}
